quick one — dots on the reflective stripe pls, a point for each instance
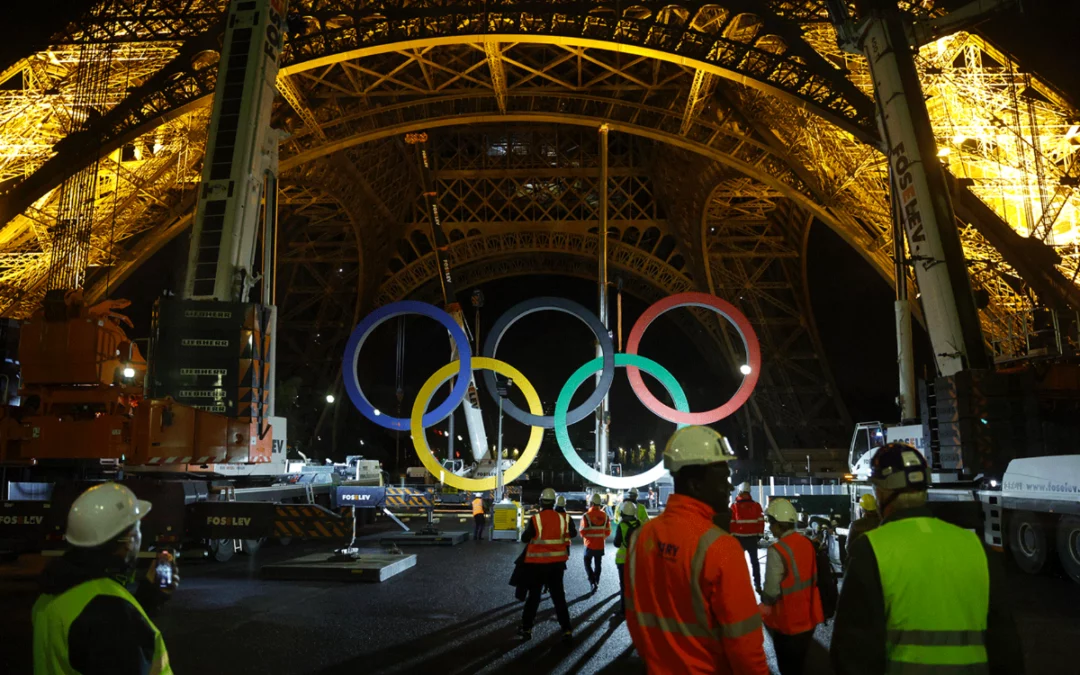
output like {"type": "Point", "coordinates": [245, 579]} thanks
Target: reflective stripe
{"type": "Point", "coordinates": [937, 638]}
{"type": "Point", "coordinates": [549, 554]}
{"type": "Point", "coordinates": [697, 566]}
{"type": "Point", "coordinates": [548, 542]}
{"type": "Point", "coordinates": [738, 629]}
{"type": "Point", "coordinates": [633, 567]}
{"type": "Point", "coordinates": [800, 583]}
{"type": "Point", "coordinates": [671, 625]}
{"type": "Point", "coordinates": [908, 668]}
{"type": "Point", "coordinates": [756, 520]}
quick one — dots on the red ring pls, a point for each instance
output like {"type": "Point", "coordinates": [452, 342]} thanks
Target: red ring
{"type": "Point", "coordinates": [729, 312]}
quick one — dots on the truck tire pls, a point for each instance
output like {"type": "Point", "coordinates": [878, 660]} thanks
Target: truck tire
{"type": "Point", "coordinates": [1027, 541]}
{"type": "Point", "coordinates": [221, 549]}
{"type": "Point", "coordinates": [1068, 545]}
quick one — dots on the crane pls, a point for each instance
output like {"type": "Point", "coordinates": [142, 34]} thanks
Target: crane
{"type": "Point", "coordinates": [471, 406]}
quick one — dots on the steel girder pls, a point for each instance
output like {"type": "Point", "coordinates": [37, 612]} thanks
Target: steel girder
{"type": "Point", "coordinates": [737, 40]}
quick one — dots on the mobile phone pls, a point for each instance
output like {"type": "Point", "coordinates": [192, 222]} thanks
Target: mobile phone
{"type": "Point", "coordinates": [164, 574]}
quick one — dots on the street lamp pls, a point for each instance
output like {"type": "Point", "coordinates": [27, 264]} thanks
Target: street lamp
{"type": "Point", "coordinates": [329, 398]}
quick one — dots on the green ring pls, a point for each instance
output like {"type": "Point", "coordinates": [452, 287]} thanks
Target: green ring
{"type": "Point", "coordinates": [562, 405]}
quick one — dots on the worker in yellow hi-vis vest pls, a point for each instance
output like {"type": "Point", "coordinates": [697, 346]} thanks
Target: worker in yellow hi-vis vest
{"type": "Point", "coordinates": [86, 620]}
{"type": "Point", "coordinates": [921, 595]}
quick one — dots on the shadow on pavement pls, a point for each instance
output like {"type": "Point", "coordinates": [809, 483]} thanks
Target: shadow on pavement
{"type": "Point", "coordinates": [474, 644]}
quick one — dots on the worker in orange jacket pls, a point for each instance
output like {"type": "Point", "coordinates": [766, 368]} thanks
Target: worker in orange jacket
{"type": "Point", "coordinates": [595, 529]}
{"type": "Point", "coordinates": [791, 602]}
{"type": "Point", "coordinates": [748, 526]}
{"type": "Point", "coordinates": [548, 535]}
{"type": "Point", "coordinates": [690, 607]}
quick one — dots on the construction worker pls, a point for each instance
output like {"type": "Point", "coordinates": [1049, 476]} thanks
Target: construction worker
{"type": "Point", "coordinates": [595, 529]}
{"type": "Point", "coordinates": [86, 620]}
{"type": "Point", "coordinates": [791, 604]}
{"type": "Point", "coordinates": [642, 512]}
{"type": "Point", "coordinates": [869, 520]}
{"type": "Point", "coordinates": [628, 524]}
{"type": "Point", "coordinates": [478, 516]}
{"type": "Point", "coordinates": [921, 595]}
{"type": "Point", "coordinates": [547, 535]}
{"type": "Point", "coordinates": [748, 526]}
{"type": "Point", "coordinates": [690, 607]}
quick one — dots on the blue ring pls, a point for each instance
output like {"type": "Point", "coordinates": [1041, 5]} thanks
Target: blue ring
{"type": "Point", "coordinates": [370, 323]}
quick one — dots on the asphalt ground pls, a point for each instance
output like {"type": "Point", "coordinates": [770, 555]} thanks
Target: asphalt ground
{"type": "Point", "coordinates": [453, 613]}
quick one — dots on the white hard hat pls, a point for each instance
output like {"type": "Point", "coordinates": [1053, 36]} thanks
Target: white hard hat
{"type": "Point", "coordinates": [548, 495]}
{"type": "Point", "coordinates": [476, 494]}
{"type": "Point", "coordinates": [628, 509]}
{"type": "Point", "coordinates": [632, 493]}
{"type": "Point", "coordinates": [101, 513]}
{"type": "Point", "coordinates": [560, 501]}
{"type": "Point", "coordinates": [695, 445]}
{"type": "Point", "coordinates": [596, 500]}
{"type": "Point", "coordinates": [744, 487]}
{"type": "Point", "coordinates": [782, 511]}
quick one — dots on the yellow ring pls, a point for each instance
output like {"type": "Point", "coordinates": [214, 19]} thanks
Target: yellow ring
{"type": "Point", "coordinates": [419, 434]}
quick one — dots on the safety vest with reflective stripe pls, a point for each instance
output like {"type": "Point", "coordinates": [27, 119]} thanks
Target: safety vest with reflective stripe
{"type": "Point", "coordinates": [53, 616]}
{"type": "Point", "coordinates": [551, 540]}
{"type": "Point", "coordinates": [747, 520]}
{"type": "Point", "coordinates": [799, 607]}
{"type": "Point", "coordinates": [595, 528]}
{"type": "Point", "coordinates": [478, 507]}
{"type": "Point", "coordinates": [936, 588]}
{"type": "Point", "coordinates": [690, 607]}
{"type": "Point", "coordinates": [628, 529]}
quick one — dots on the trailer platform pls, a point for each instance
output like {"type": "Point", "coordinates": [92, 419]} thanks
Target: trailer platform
{"type": "Point", "coordinates": [374, 566]}
{"type": "Point", "coordinates": [422, 539]}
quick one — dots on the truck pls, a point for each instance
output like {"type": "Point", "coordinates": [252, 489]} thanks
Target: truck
{"type": "Point", "coordinates": [1004, 452]}
{"type": "Point", "coordinates": [190, 425]}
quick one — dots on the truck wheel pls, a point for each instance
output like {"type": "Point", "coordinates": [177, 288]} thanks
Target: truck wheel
{"type": "Point", "coordinates": [221, 549]}
{"type": "Point", "coordinates": [1068, 545]}
{"type": "Point", "coordinates": [1027, 541]}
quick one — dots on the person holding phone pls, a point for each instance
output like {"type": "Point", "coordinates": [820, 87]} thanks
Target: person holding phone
{"type": "Point", "coordinates": [87, 620]}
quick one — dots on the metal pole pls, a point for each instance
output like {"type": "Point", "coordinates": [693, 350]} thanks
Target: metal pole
{"type": "Point", "coordinates": [498, 458]}
{"type": "Point", "coordinates": [603, 413]}
{"type": "Point", "coordinates": [902, 308]}
{"type": "Point", "coordinates": [450, 440]}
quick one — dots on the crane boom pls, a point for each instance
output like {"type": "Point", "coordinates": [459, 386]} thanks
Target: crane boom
{"type": "Point", "coordinates": [922, 197]}
{"type": "Point", "coordinates": [471, 406]}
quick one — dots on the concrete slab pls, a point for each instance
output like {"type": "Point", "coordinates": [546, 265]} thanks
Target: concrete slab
{"type": "Point", "coordinates": [418, 539]}
{"type": "Point", "coordinates": [369, 567]}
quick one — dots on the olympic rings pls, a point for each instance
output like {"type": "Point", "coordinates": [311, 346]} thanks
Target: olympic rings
{"type": "Point", "coordinates": [365, 328]}
{"type": "Point", "coordinates": [532, 447]}
{"type": "Point", "coordinates": [750, 344]}
{"type": "Point", "coordinates": [603, 336]}
{"type": "Point", "coordinates": [563, 402]}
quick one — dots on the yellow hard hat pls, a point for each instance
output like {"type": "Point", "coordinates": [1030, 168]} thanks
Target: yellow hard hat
{"type": "Point", "coordinates": [867, 502]}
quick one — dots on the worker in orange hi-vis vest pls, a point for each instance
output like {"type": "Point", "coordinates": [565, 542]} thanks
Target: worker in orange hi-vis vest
{"type": "Point", "coordinates": [748, 526]}
{"type": "Point", "coordinates": [547, 534]}
{"type": "Point", "coordinates": [791, 602]}
{"type": "Point", "coordinates": [595, 529]}
{"type": "Point", "coordinates": [690, 607]}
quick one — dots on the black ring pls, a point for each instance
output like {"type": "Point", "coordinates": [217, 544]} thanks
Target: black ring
{"type": "Point", "coordinates": [603, 336]}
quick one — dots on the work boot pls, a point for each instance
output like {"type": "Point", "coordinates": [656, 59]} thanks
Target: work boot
{"type": "Point", "coordinates": [595, 587]}
{"type": "Point", "coordinates": [525, 633]}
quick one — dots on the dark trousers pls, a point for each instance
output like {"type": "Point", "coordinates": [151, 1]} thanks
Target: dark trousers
{"type": "Point", "coordinates": [550, 575]}
{"type": "Point", "coordinates": [622, 587]}
{"type": "Point", "coordinates": [791, 650]}
{"type": "Point", "coordinates": [594, 560]}
{"type": "Point", "coordinates": [478, 529]}
{"type": "Point", "coordinates": [750, 545]}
